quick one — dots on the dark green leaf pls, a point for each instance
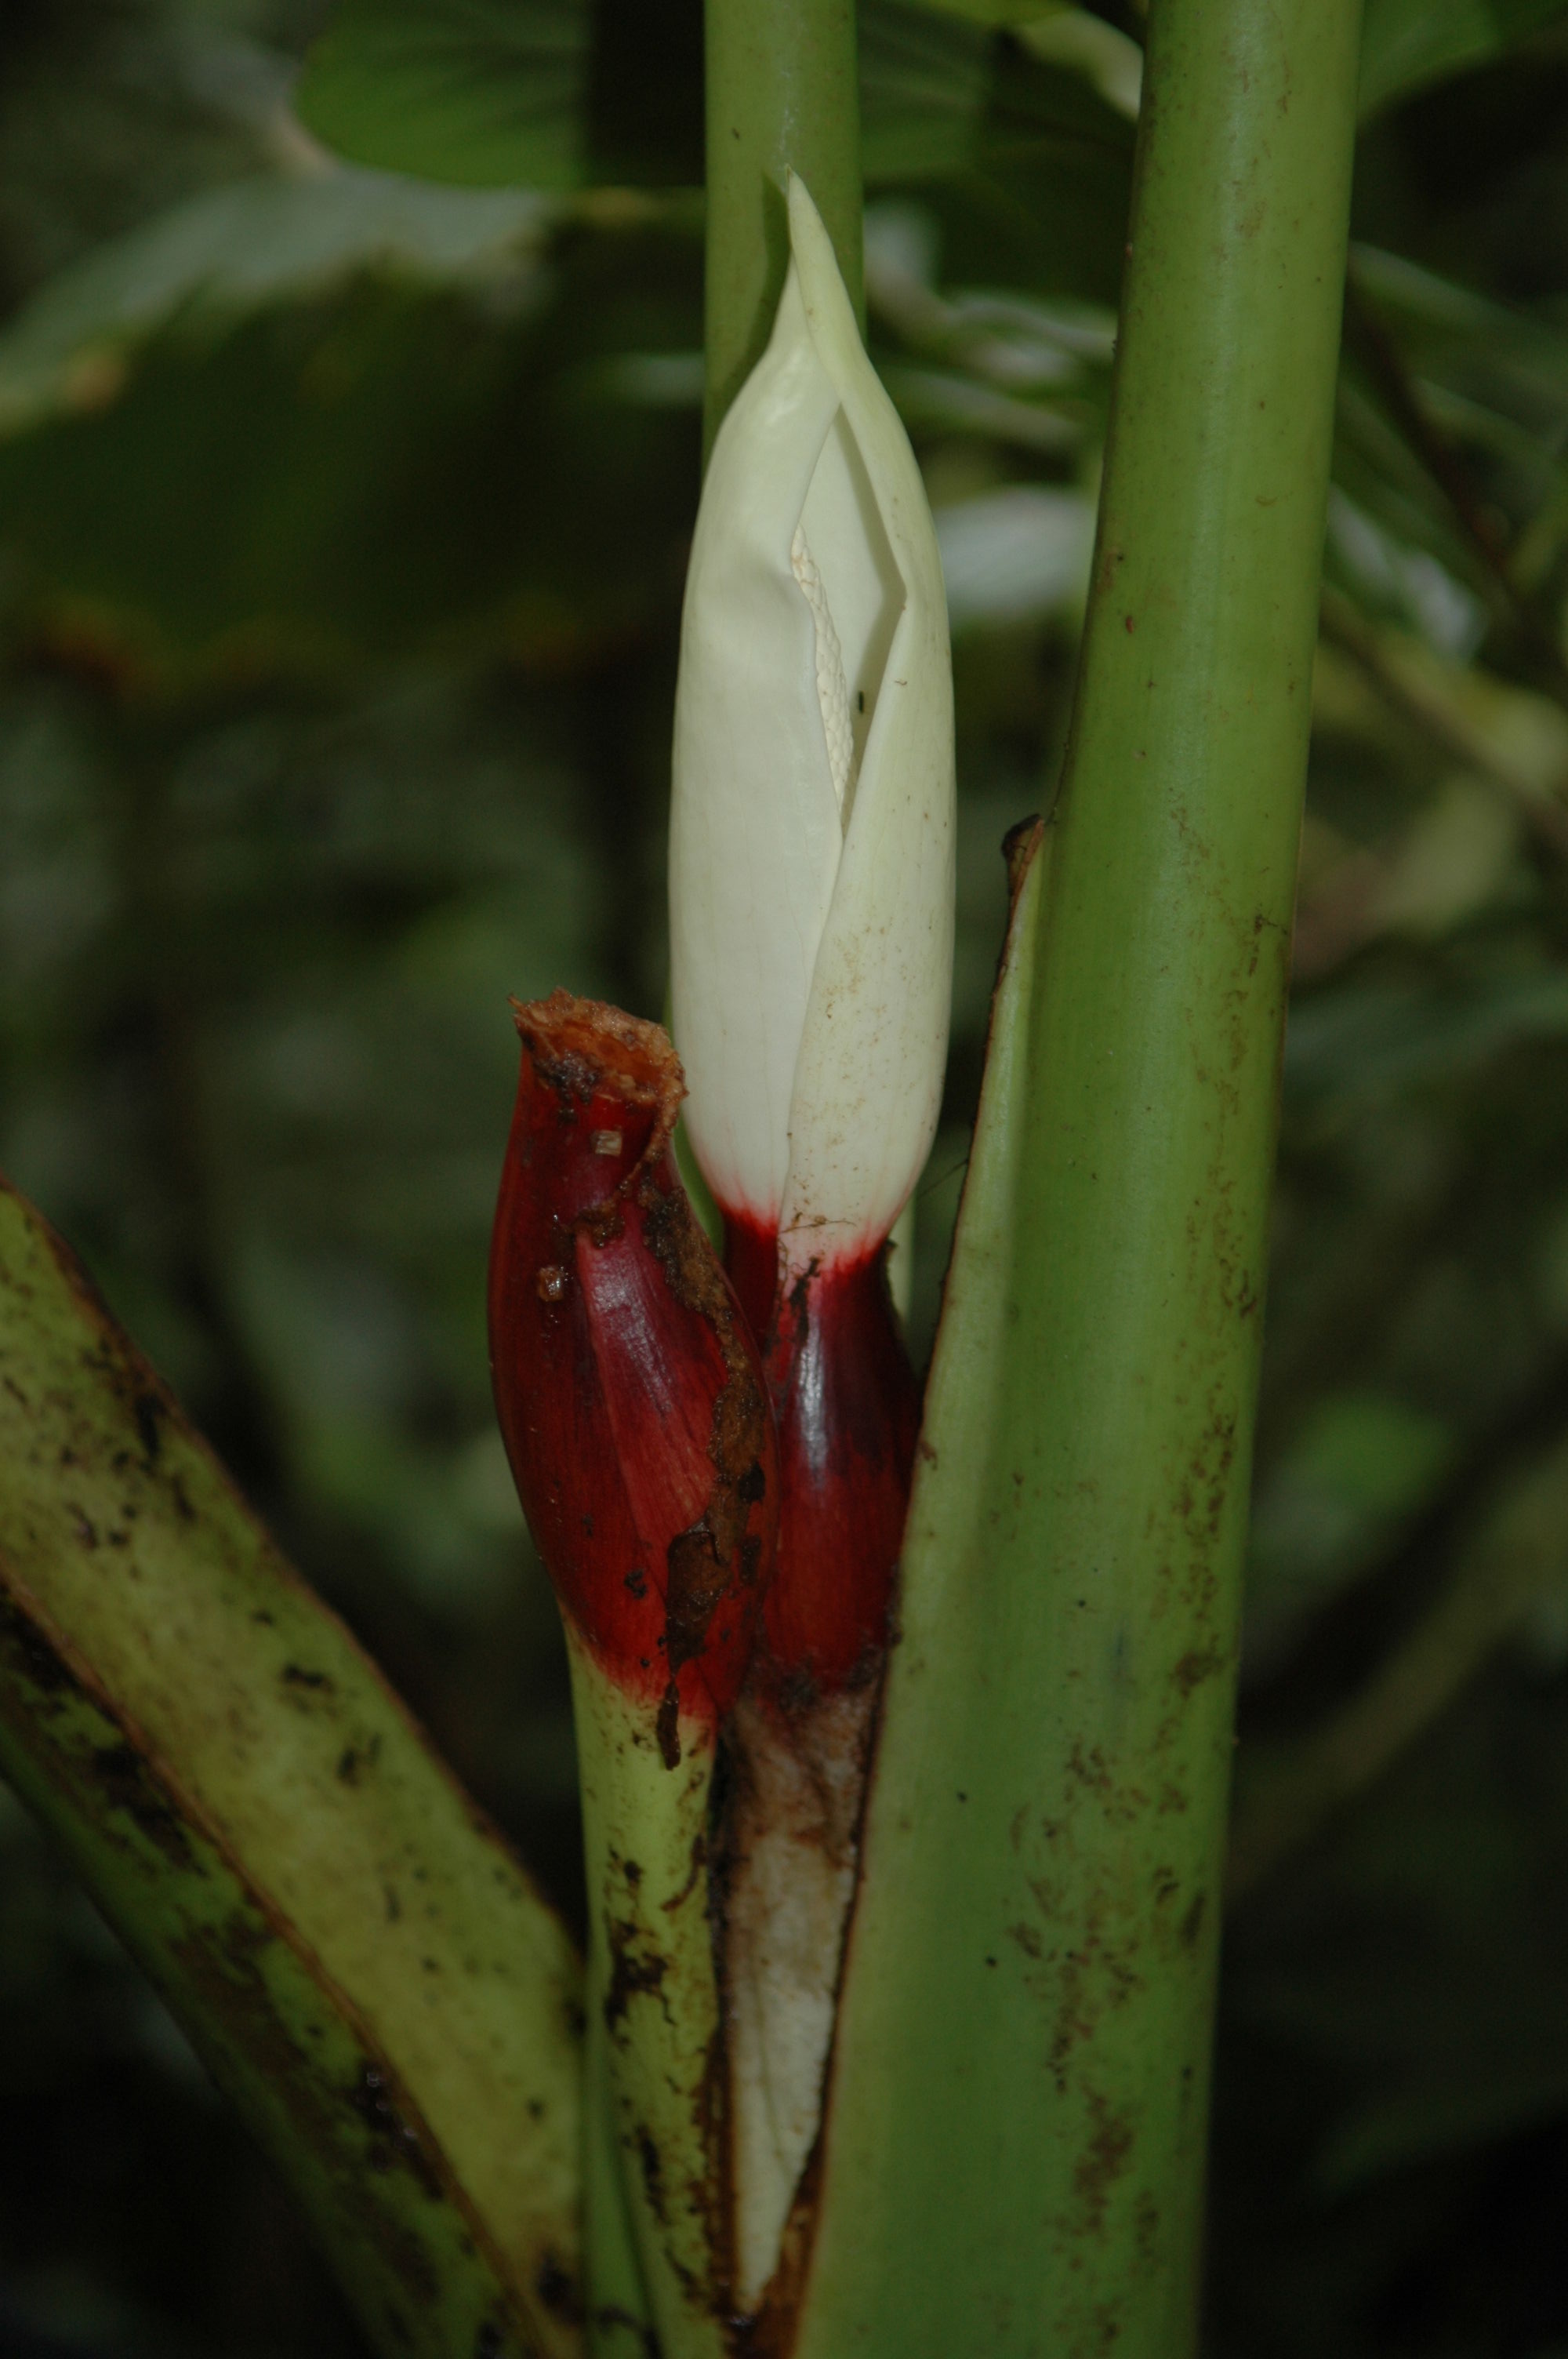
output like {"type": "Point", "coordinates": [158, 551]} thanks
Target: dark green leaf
{"type": "Point", "coordinates": [1408, 44]}
{"type": "Point", "coordinates": [1369, 1041]}
{"type": "Point", "coordinates": [924, 82]}
{"type": "Point", "coordinates": [237, 250]}
{"type": "Point", "coordinates": [481, 93]}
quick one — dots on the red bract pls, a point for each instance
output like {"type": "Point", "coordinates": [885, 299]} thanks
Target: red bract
{"type": "Point", "coordinates": [847, 1410]}
{"type": "Point", "coordinates": [627, 1386]}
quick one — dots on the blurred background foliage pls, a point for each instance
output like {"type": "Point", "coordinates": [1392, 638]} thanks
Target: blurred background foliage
{"type": "Point", "coordinates": [349, 434]}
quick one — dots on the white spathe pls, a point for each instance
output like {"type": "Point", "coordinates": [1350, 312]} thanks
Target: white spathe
{"type": "Point", "coordinates": [811, 834]}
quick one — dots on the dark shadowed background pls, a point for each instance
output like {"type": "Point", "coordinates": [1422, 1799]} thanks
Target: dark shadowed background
{"type": "Point", "coordinates": [343, 512]}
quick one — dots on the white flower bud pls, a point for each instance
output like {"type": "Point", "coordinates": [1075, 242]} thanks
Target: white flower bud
{"type": "Point", "coordinates": [811, 842]}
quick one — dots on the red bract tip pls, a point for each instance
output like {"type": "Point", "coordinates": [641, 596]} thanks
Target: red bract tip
{"type": "Point", "coordinates": [627, 1384]}
{"type": "Point", "coordinates": [847, 1405]}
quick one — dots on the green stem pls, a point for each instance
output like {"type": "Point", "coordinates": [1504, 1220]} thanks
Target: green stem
{"type": "Point", "coordinates": [1015, 2145]}
{"type": "Point", "coordinates": [782, 97]}
{"type": "Point", "coordinates": [658, 2241]}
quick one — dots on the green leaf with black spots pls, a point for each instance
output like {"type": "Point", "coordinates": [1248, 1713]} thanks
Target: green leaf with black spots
{"type": "Point", "coordinates": [1407, 45]}
{"type": "Point", "coordinates": [175, 1694]}
{"type": "Point", "coordinates": [481, 93]}
{"type": "Point", "coordinates": [289, 2048]}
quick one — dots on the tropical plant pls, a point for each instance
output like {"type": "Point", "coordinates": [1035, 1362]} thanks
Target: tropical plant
{"type": "Point", "coordinates": [346, 372]}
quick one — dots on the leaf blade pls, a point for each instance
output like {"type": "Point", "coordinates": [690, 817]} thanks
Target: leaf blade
{"type": "Point", "coordinates": [1408, 44]}
{"type": "Point", "coordinates": [287, 2047]}
{"type": "Point", "coordinates": [465, 90]}
{"type": "Point", "coordinates": [291, 1749]}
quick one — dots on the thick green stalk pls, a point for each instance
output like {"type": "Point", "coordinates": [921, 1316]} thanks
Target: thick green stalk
{"type": "Point", "coordinates": [782, 97]}
{"type": "Point", "coordinates": [1015, 2144]}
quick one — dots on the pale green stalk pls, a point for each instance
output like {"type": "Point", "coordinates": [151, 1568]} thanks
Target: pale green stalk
{"type": "Point", "coordinates": [652, 2001]}
{"type": "Point", "coordinates": [1016, 2139]}
{"type": "Point", "coordinates": [781, 96]}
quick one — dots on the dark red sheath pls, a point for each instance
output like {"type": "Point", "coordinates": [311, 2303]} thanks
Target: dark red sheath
{"type": "Point", "coordinates": [847, 1404]}
{"type": "Point", "coordinates": [627, 1386]}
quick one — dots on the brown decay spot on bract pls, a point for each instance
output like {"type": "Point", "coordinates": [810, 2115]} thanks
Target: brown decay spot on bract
{"type": "Point", "coordinates": [294, 1675]}
{"type": "Point", "coordinates": [607, 2314]}
{"type": "Point", "coordinates": [127, 1784]}
{"type": "Point", "coordinates": [355, 1759]}
{"type": "Point", "coordinates": [1195, 1666]}
{"type": "Point", "coordinates": [1020, 847]}
{"type": "Point", "coordinates": [556, 2288]}
{"type": "Point", "coordinates": [699, 1862]}
{"type": "Point", "coordinates": [714, 1556]}
{"type": "Point", "coordinates": [631, 1975]}
{"type": "Point", "coordinates": [40, 1667]}
{"type": "Point", "coordinates": [148, 1410]}
{"type": "Point", "coordinates": [653, 2173]}
{"type": "Point", "coordinates": [393, 2139]}
{"type": "Point", "coordinates": [581, 1047]}
{"type": "Point", "coordinates": [1103, 2161]}
{"type": "Point", "coordinates": [117, 1774]}
{"type": "Point", "coordinates": [1087, 1769]}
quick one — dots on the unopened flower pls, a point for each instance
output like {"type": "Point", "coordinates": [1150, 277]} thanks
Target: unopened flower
{"type": "Point", "coordinates": [627, 1384]}
{"type": "Point", "coordinates": [811, 911]}
{"type": "Point", "coordinates": [811, 837]}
